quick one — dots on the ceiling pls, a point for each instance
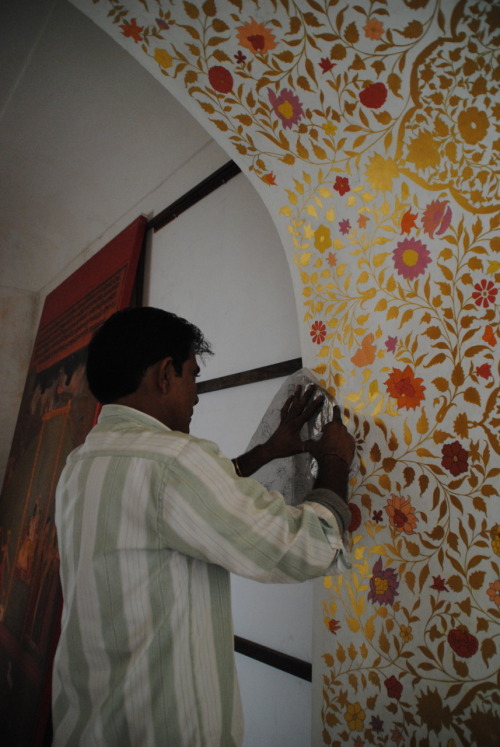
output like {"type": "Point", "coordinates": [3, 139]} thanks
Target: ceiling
{"type": "Point", "coordinates": [85, 134]}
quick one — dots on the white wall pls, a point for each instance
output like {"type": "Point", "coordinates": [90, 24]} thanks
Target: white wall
{"type": "Point", "coordinates": [221, 265]}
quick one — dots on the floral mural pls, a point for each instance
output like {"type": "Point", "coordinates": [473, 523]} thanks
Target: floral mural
{"type": "Point", "coordinates": [371, 130]}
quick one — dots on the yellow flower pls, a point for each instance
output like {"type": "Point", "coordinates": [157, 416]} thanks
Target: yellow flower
{"type": "Point", "coordinates": [423, 151]}
{"type": "Point", "coordinates": [405, 633]}
{"type": "Point", "coordinates": [355, 716]}
{"type": "Point", "coordinates": [329, 128]}
{"type": "Point", "coordinates": [473, 125]}
{"type": "Point", "coordinates": [322, 238]}
{"type": "Point", "coordinates": [163, 58]}
{"type": "Point", "coordinates": [495, 539]}
{"type": "Point", "coordinates": [380, 172]}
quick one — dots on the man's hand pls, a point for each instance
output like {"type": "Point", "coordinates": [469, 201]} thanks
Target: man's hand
{"type": "Point", "coordinates": [285, 441]}
{"type": "Point", "coordinates": [335, 440]}
{"type": "Point", "coordinates": [297, 410]}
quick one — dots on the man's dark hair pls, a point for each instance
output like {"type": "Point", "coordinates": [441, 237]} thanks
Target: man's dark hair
{"type": "Point", "coordinates": [131, 341]}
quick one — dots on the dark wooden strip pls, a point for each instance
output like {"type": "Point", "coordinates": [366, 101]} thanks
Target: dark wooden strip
{"type": "Point", "coordinates": [204, 188]}
{"type": "Point", "coordinates": [273, 658]}
{"type": "Point", "coordinates": [273, 371]}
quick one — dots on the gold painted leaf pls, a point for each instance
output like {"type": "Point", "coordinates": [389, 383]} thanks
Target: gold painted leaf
{"type": "Point", "coordinates": [340, 654]}
{"type": "Point", "coordinates": [457, 377]}
{"type": "Point", "coordinates": [385, 482]}
{"type": "Point", "coordinates": [409, 475]}
{"type": "Point", "coordinates": [375, 454]}
{"type": "Point", "coordinates": [209, 8]}
{"type": "Point", "coordinates": [472, 395]}
{"type": "Point", "coordinates": [407, 434]}
{"type": "Point", "coordinates": [441, 384]}
{"type": "Point", "coordinates": [422, 423]}
{"type": "Point", "coordinates": [383, 642]}
{"type": "Point", "coordinates": [413, 30]}
{"type": "Point", "coordinates": [220, 124]}
{"type": "Point", "coordinates": [389, 463]}
{"type": "Point", "coordinates": [439, 358]}
{"type": "Point", "coordinates": [351, 33]}
{"type": "Point", "coordinates": [423, 482]}
{"type": "Point", "coordinates": [394, 82]}
{"type": "Point", "coordinates": [488, 649]}
{"type": "Point", "coordinates": [191, 10]}
{"type": "Point", "coordinates": [413, 549]}
{"type": "Point", "coordinates": [433, 332]}
{"type": "Point", "coordinates": [440, 436]}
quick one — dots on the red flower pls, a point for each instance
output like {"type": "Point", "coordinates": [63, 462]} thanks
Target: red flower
{"type": "Point", "coordinates": [270, 178]}
{"type": "Point", "coordinates": [484, 371]}
{"type": "Point", "coordinates": [132, 30]}
{"type": "Point", "coordinates": [333, 625]}
{"type": "Point", "coordinates": [438, 584]}
{"type": "Point", "coordinates": [408, 221]}
{"type": "Point", "coordinates": [462, 642]}
{"type": "Point", "coordinates": [373, 96]}
{"type": "Point", "coordinates": [220, 79]}
{"type": "Point", "coordinates": [326, 65]}
{"type": "Point", "coordinates": [240, 57]}
{"type": "Point", "coordinates": [485, 293]}
{"type": "Point", "coordinates": [342, 185]}
{"type": "Point", "coordinates": [455, 458]}
{"type": "Point", "coordinates": [355, 522]}
{"type": "Point", "coordinates": [318, 332]}
{"type": "Point", "coordinates": [394, 687]}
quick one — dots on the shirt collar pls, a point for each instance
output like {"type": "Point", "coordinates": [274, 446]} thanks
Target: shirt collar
{"type": "Point", "coordinates": [121, 413]}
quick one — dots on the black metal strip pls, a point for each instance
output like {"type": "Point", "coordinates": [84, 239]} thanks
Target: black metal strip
{"type": "Point", "coordinates": [273, 658]}
{"type": "Point", "coordinates": [204, 188]}
{"type": "Point", "coordinates": [273, 371]}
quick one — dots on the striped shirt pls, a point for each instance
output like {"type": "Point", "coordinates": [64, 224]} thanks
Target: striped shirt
{"type": "Point", "coordinates": [150, 523]}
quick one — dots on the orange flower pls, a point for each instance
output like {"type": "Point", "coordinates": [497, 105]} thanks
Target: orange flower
{"type": "Point", "coordinates": [489, 335]}
{"type": "Point", "coordinates": [405, 388]}
{"type": "Point", "coordinates": [493, 592]}
{"type": "Point", "coordinates": [132, 30]}
{"type": "Point", "coordinates": [373, 29]}
{"type": "Point", "coordinates": [401, 514]}
{"type": "Point", "coordinates": [270, 178]}
{"type": "Point", "coordinates": [365, 355]}
{"type": "Point", "coordinates": [255, 37]}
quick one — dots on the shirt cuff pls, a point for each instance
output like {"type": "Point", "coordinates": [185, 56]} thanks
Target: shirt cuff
{"type": "Point", "coordinates": [333, 504]}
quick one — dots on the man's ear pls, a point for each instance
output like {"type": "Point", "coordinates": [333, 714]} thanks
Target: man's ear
{"type": "Point", "coordinates": [165, 372]}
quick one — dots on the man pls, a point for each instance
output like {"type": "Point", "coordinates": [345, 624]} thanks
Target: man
{"type": "Point", "coordinates": [150, 523]}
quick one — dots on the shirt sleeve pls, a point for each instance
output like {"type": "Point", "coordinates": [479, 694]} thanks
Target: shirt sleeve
{"type": "Point", "coordinates": [211, 514]}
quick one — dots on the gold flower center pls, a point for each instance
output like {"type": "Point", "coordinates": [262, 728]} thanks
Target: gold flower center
{"type": "Point", "coordinates": [410, 257]}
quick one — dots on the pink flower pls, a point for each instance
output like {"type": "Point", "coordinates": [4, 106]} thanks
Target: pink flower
{"type": "Point", "coordinates": [391, 343]}
{"type": "Point", "coordinates": [436, 218]}
{"type": "Point", "coordinates": [383, 584]}
{"type": "Point", "coordinates": [286, 106]}
{"type": "Point", "coordinates": [318, 332]}
{"type": "Point", "coordinates": [410, 258]}
{"type": "Point", "coordinates": [485, 293]}
{"type": "Point", "coordinates": [342, 185]}
{"type": "Point", "coordinates": [345, 226]}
